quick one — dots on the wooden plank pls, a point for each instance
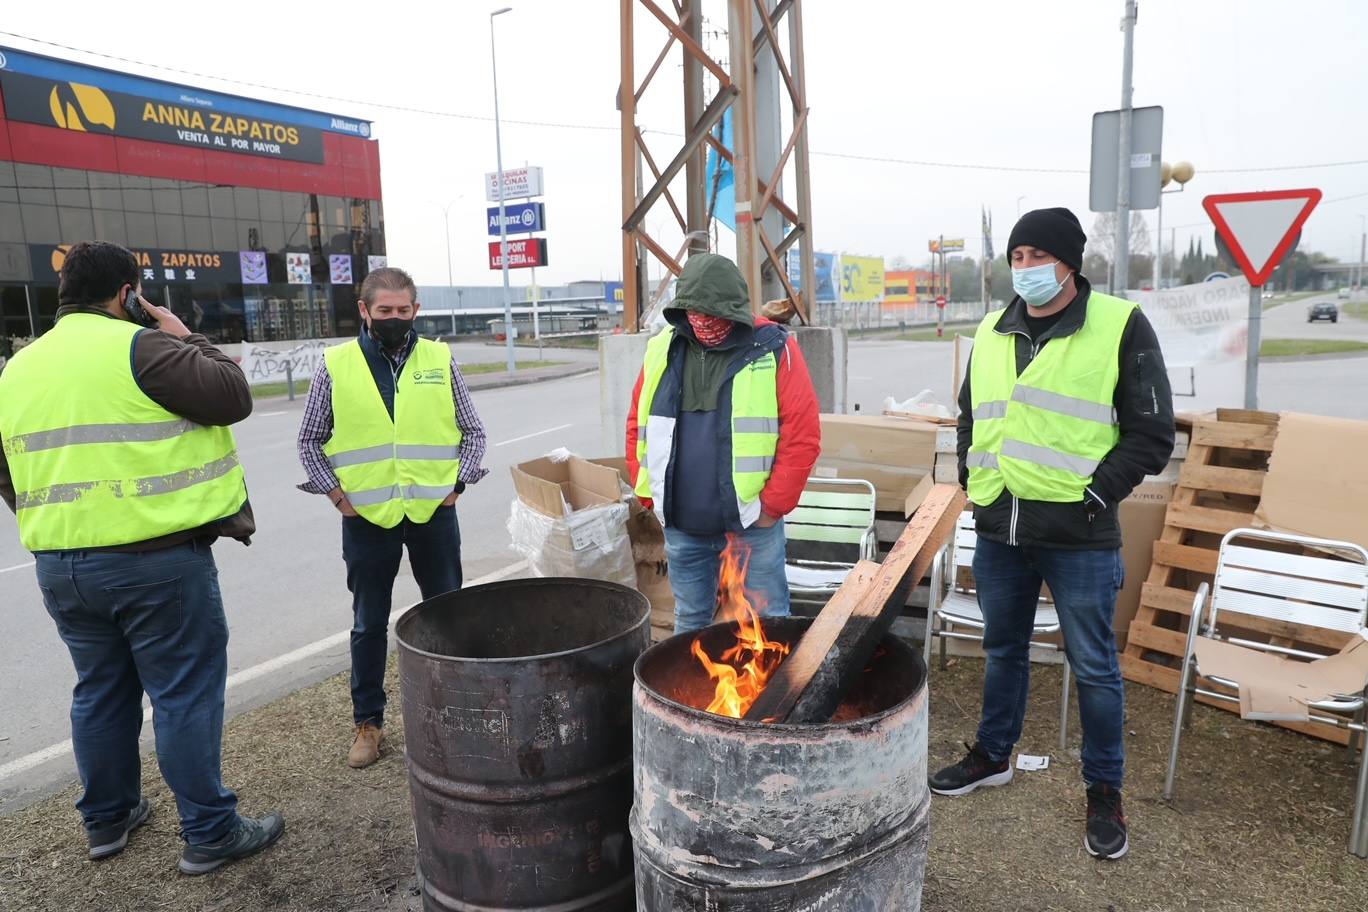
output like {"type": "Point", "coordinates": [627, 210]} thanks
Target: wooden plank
{"type": "Point", "coordinates": [1246, 416]}
{"type": "Point", "coordinates": [1234, 435]}
{"type": "Point", "coordinates": [1185, 557]}
{"type": "Point", "coordinates": [1206, 519]}
{"type": "Point", "coordinates": [1179, 603]}
{"type": "Point", "coordinates": [810, 684]}
{"type": "Point", "coordinates": [786, 686]}
{"type": "Point", "coordinates": [1220, 478]}
{"type": "Point", "coordinates": [1167, 598]}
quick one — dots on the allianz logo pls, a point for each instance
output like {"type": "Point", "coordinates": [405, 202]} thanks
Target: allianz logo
{"type": "Point", "coordinates": [348, 126]}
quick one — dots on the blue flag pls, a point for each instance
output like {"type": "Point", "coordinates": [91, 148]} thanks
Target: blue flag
{"type": "Point", "coordinates": [721, 193]}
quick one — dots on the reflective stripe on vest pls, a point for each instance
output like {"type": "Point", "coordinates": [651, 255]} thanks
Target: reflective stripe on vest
{"type": "Point", "coordinates": [95, 462]}
{"type": "Point", "coordinates": [405, 466]}
{"type": "Point", "coordinates": [754, 426]}
{"type": "Point", "coordinates": [1042, 434]}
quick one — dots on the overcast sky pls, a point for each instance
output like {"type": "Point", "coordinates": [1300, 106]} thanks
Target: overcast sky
{"type": "Point", "coordinates": [1245, 84]}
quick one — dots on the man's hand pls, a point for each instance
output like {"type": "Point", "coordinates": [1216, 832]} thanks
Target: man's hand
{"type": "Point", "coordinates": [765, 521]}
{"type": "Point", "coordinates": [451, 499]}
{"type": "Point", "coordinates": [167, 322]}
{"type": "Point", "coordinates": [340, 501]}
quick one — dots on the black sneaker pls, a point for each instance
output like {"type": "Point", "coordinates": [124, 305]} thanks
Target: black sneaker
{"type": "Point", "coordinates": [111, 838]}
{"type": "Point", "coordinates": [247, 838]}
{"type": "Point", "coordinates": [974, 771]}
{"type": "Point", "coordinates": [1107, 837]}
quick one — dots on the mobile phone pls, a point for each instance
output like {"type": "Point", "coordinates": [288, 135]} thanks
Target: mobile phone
{"type": "Point", "coordinates": [133, 306]}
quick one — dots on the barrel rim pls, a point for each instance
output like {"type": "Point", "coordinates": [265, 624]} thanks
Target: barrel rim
{"type": "Point", "coordinates": [536, 582]}
{"type": "Point", "coordinates": [786, 727]}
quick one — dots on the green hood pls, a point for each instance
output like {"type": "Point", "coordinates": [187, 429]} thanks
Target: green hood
{"type": "Point", "coordinates": [711, 284]}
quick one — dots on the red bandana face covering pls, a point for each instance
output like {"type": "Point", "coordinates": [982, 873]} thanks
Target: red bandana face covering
{"type": "Point", "coordinates": [708, 329]}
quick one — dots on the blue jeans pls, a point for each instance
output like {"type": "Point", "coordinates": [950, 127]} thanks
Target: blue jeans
{"type": "Point", "coordinates": [1084, 585]}
{"type": "Point", "coordinates": [372, 556]}
{"type": "Point", "coordinates": [133, 622]}
{"type": "Point", "coordinates": [695, 562]}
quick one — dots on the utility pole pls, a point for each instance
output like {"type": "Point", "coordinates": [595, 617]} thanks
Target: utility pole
{"type": "Point", "coordinates": [1123, 173]}
{"type": "Point", "coordinates": [503, 221]}
{"type": "Point", "coordinates": [1363, 251]}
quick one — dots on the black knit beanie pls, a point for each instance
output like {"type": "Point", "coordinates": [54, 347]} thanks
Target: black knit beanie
{"type": "Point", "coordinates": [1055, 231]}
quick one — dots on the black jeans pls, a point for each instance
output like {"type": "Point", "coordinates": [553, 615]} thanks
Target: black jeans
{"type": "Point", "coordinates": [372, 555]}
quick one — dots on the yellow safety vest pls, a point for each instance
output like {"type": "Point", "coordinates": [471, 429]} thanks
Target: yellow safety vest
{"type": "Point", "coordinates": [754, 426]}
{"type": "Point", "coordinates": [95, 462]}
{"type": "Point", "coordinates": [1041, 435]}
{"type": "Point", "coordinates": [391, 468]}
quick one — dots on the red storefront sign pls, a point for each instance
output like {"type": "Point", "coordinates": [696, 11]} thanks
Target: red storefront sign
{"type": "Point", "coordinates": [523, 253]}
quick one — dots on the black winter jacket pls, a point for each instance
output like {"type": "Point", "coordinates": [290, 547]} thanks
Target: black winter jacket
{"type": "Point", "coordinates": [1144, 407]}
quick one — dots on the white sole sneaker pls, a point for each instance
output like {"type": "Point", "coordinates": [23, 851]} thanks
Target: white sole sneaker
{"type": "Point", "coordinates": [1001, 778]}
{"type": "Point", "coordinates": [1125, 847]}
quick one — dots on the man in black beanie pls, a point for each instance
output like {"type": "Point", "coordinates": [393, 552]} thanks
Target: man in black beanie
{"type": "Point", "coordinates": [1065, 408]}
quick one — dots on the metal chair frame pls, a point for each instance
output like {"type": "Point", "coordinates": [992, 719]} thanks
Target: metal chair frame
{"type": "Point", "coordinates": [951, 606]}
{"type": "Point", "coordinates": [1303, 589]}
{"type": "Point", "coordinates": [833, 517]}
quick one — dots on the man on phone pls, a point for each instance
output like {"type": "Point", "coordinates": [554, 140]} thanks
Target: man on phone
{"type": "Point", "coordinates": [118, 462]}
{"type": "Point", "coordinates": [391, 436]}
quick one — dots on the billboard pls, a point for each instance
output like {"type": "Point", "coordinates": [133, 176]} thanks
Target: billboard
{"type": "Point", "coordinates": [862, 278]}
{"type": "Point", "coordinates": [826, 267]}
{"type": "Point", "coordinates": [523, 253]}
{"type": "Point", "coordinates": [945, 245]}
{"type": "Point", "coordinates": [70, 96]}
{"type": "Point", "coordinates": [518, 183]}
{"type": "Point", "coordinates": [521, 218]}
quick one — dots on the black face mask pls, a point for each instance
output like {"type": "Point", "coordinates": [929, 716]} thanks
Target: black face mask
{"type": "Point", "coordinates": [391, 332]}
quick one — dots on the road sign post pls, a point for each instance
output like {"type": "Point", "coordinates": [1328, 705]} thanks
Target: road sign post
{"type": "Point", "coordinates": [940, 316]}
{"type": "Point", "coordinates": [1259, 229]}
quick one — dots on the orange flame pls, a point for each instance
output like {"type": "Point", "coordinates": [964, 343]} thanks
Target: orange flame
{"type": "Point", "coordinates": [742, 671]}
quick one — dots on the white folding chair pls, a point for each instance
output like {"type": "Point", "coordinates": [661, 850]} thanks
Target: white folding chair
{"type": "Point", "coordinates": [830, 531]}
{"type": "Point", "coordinates": [1306, 589]}
{"type": "Point", "coordinates": [953, 606]}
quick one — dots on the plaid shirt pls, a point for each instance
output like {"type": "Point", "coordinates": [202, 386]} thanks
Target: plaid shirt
{"type": "Point", "coordinates": [317, 427]}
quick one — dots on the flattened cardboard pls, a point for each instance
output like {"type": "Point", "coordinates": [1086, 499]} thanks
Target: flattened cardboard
{"type": "Point", "coordinates": [1142, 523]}
{"type": "Point", "coordinates": [1277, 689]}
{"type": "Point", "coordinates": [558, 489]}
{"type": "Point", "coordinates": [1316, 484]}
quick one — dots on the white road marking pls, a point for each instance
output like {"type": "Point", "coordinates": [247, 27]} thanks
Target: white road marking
{"type": "Point", "coordinates": [536, 434]}
{"type": "Point", "coordinates": [269, 414]}
{"type": "Point", "coordinates": [17, 567]}
{"type": "Point", "coordinates": [63, 748]}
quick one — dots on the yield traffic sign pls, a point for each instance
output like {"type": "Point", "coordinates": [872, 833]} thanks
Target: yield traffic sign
{"type": "Point", "coordinates": [1260, 227]}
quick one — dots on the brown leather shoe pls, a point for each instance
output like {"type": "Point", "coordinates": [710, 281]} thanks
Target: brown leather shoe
{"type": "Point", "coordinates": [365, 750]}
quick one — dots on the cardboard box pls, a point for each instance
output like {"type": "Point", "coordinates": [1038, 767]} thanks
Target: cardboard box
{"type": "Point", "coordinates": [558, 489]}
{"type": "Point", "coordinates": [1142, 522]}
{"type": "Point", "coordinates": [893, 454]}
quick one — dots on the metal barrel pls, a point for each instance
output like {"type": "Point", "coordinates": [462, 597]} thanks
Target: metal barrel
{"type": "Point", "coordinates": [517, 721]}
{"type": "Point", "coordinates": [736, 816]}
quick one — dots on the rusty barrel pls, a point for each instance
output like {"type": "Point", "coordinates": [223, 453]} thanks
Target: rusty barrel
{"type": "Point", "coordinates": [517, 723]}
{"type": "Point", "coordinates": [736, 816]}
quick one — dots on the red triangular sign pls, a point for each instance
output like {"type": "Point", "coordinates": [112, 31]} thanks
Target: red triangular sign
{"type": "Point", "coordinates": [1260, 227]}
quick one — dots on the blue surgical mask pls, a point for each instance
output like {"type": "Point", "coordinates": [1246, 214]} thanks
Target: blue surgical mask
{"type": "Point", "coordinates": [1037, 285]}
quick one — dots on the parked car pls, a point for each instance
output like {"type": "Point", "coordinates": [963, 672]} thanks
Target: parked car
{"type": "Point", "coordinates": [1325, 310]}
{"type": "Point", "coordinates": [1343, 294]}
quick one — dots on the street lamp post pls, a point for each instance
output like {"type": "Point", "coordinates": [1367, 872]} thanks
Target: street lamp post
{"type": "Point", "coordinates": [1182, 173]}
{"type": "Point", "coordinates": [446, 223]}
{"type": "Point", "coordinates": [1363, 252]}
{"type": "Point", "coordinates": [503, 222]}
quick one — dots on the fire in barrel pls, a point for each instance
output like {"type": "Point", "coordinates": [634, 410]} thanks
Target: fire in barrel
{"type": "Point", "coordinates": [780, 763]}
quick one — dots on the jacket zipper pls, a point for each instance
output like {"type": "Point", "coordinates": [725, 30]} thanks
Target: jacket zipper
{"type": "Point", "coordinates": [1016, 504]}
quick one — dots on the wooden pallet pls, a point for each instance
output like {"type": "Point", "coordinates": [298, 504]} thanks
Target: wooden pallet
{"type": "Point", "coordinates": [1218, 490]}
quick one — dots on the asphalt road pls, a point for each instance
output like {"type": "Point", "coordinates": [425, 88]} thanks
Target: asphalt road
{"type": "Point", "coordinates": [287, 591]}
{"type": "Point", "coordinates": [1288, 321]}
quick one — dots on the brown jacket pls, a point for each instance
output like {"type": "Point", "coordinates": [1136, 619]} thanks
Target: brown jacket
{"type": "Point", "coordinates": [191, 378]}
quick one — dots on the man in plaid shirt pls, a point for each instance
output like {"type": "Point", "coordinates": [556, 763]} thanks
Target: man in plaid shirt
{"type": "Point", "coordinates": [394, 478]}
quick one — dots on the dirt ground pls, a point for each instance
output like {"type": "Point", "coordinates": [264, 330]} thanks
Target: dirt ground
{"type": "Point", "coordinates": [1260, 822]}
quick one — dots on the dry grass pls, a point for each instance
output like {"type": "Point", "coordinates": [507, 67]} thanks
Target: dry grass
{"type": "Point", "coordinates": [1260, 822]}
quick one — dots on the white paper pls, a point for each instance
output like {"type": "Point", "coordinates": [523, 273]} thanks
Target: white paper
{"type": "Point", "coordinates": [1031, 763]}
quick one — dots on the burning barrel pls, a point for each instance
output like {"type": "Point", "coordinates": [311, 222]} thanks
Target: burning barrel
{"type": "Point", "coordinates": [517, 723]}
{"type": "Point", "coordinates": [738, 816]}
